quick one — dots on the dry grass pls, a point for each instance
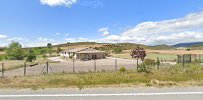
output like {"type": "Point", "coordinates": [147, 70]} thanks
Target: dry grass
{"type": "Point", "coordinates": [81, 46]}
{"type": "Point", "coordinates": [162, 56]}
{"type": "Point", "coordinates": [2, 53]}
{"type": "Point", "coordinates": [172, 76]}
{"type": "Point", "coordinates": [13, 64]}
{"type": "Point", "coordinates": [176, 51]}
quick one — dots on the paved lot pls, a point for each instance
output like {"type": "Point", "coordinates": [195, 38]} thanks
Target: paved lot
{"type": "Point", "coordinates": [80, 66]}
{"type": "Point", "coordinates": [193, 93]}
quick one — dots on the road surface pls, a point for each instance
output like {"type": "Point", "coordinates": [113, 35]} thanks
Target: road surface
{"type": "Point", "coordinates": [195, 93]}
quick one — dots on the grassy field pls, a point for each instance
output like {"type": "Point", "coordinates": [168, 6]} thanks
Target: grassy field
{"type": "Point", "coordinates": [172, 76]}
{"type": "Point", "coordinates": [176, 51]}
{"type": "Point", "coordinates": [162, 56]}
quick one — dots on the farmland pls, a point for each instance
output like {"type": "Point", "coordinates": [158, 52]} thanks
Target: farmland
{"type": "Point", "coordinates": [150, 55]}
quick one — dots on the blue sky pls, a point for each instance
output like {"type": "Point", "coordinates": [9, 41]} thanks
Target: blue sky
{"type": "Point", "coordinates": [150, 22]}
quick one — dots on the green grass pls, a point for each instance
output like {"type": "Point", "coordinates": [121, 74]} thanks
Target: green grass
{"type": "Point", "coordinates": [173, 75]}
{"type": "Point", "coordinates": [168, 57]}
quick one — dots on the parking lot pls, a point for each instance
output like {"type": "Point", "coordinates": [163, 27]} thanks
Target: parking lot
{"type": "Point", "coordinates": [108, 64]}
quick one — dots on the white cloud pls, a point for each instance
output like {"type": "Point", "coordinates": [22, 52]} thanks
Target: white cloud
{"type": "Point", "coordinates": [15, 39]}
{"type": "Point", "coordinates": [66, 3]}
{"type": "Point", "coordinates": [3, 36]}
{"type": "Point", "coordinates": [58, 33]}
{"type": "Point", "coordinates": [46, 39]}
{"type": "Point", "coordinates": [67, 34]}
{"type": "Point", "coordinates": [80, 39]}
{"type": "Point", "coordinates": [105, 31]}
{"type": "Point", "coordinates": [186, 29]}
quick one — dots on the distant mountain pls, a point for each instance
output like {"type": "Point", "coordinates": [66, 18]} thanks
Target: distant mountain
{"type": "Point", "coordinates": [161, 47]}
{"type": "Point", "coordinates": [190, 44]}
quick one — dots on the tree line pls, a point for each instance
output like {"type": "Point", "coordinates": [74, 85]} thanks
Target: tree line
{"type": "Point", "coordinates": [15, 51]}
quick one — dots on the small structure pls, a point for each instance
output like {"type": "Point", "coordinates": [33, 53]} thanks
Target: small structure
{"type": "Point", "coordinates": [83, 54]}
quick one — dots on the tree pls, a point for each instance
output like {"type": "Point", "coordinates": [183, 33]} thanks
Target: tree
{"type": "Point", "coordinates": [49, 48]}
{"type": "Point", "coordinates": [117, 50]}
{"type": "Point", "coordinates": [15, 51]}
{"type": "Point", "coordinates": [58, 50]}
{"type": "Point", "coordinates": [31, 56]}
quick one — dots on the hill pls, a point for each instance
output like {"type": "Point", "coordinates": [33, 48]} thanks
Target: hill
{"type": "Point", "coordinates": [161, 47]}
{"type": "Point", "coordinates": [104, 46]}
{"type": "Point", "coordinates": [190, 44]}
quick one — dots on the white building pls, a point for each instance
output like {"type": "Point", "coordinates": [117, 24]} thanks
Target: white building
{"type": "Point", "coordinates": [83, 54]}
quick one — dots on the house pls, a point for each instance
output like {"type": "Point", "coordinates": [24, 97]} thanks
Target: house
{"type": "Point", "coordinates": [83, 54]}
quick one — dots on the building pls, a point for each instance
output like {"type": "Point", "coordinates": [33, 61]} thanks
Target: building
{"type": "Point", "coordinates": [83, 54]}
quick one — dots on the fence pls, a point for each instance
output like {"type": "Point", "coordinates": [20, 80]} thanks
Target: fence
{"type": "Point", "coordinates": [70, 67]}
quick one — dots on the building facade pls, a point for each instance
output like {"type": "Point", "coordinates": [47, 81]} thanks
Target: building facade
{"type": "Point", "coordinates": [83, 54]}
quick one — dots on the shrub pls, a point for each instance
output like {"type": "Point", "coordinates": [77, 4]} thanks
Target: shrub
{"type": "Point", "coordinates": [15, 51]}
{"type": "Point", "coordinates": [143, 68]}
{"type": "Point", "coordinates": [117, 50]}
{"type": "Point", "coordinates": [58, 50]}
{"type": "Point", "coordinates": [149, 62]}
{"type": "Point", "coordinates": [31, 56]}
{"type": "Point", "coordinates": [122, 70]}
{"type": "Point", "coordinates": [188, 49]}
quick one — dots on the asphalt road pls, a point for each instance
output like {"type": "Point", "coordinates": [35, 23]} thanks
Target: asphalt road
{"type": "Point", "coordinates": [195, 93]}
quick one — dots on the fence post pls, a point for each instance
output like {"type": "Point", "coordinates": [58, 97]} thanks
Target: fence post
{"type": "Point", "coordinates": [116, 67]}
{"type": "Point", "coordinates": [158, 62]}
{"type": "Point", "coordinates": [95, 65]}
{"type": "Point", "coordinates": [47, 67]}
{"type": "Point", "coordinates": [25, 68]}
{"type": "Point", "coordinates": [73, 65]}
{"type": "Point", "coordinates": [183, 61]}
{"type": "Point", "coordinates": [2, 70]}
{"type": "Point", "coordinates": [199, 58]}
{"type": "Point", "coordinates": [137, 64]}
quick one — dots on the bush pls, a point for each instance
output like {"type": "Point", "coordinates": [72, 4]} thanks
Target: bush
{"type": "Point", "coordinates": [2, 57]}
{"type": "Point", "coordinates": [117, 50]}
{"type": "Point", "coordinates": [58, 50]}
{"type": "Point", "coordinates": [149, 62]}
{"type": "Point", "coordinates": [31, 56]}
{"type": "Point", "coordinates": [122, 70]}
{"type": "Point", "coordinates": [15, 51]}
{"type": "Point", "coordinates": [143, 68]}
{"type": "Point", "coordinates": [188, 49]}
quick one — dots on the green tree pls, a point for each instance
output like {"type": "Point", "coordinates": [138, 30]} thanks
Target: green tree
{"type": "Point", "coordinates": [15, 51]}
{"type": "Point", "coordinates": [49, 48]}
{"type": "Point", "coordinates": [43, 52]}
{"type": "Point", "coordinates": [31, 56]}
{"type": "Point", "coordinates": [58, 50]}
{"type": "Point", "coordinates": [117, 50]}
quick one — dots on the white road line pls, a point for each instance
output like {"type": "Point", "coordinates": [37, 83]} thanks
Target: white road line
{"type": "Point", "coordinates": [103, 95]}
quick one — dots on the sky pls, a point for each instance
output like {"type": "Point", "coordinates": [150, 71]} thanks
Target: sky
{"type": "Point", "coordinates": [151, 22]}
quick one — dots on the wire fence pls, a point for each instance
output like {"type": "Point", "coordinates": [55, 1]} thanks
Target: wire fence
{"type": "Point", "coordinates": [70, 67]}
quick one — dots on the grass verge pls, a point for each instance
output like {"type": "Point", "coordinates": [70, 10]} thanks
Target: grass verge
{"type": "Point", "coordinates": [172, 76]}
